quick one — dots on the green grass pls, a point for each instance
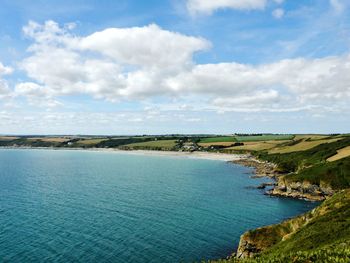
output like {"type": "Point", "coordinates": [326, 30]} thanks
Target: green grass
{"type": "Point", "coordinates": [322, 235]}
{"type": "Point", "coordinates": [167, 144]}
{"type": "Point", "coordinates": [271, 137]}
{"type": "Point", "coordinates": [218, 139]}
{"type": "Point", "coordinates": [296, 161]}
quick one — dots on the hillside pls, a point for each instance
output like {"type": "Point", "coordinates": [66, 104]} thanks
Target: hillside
{"type": "Point", "coordinates": [321, 235]}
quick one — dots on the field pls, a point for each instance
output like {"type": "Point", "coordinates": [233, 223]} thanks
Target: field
{"type": "Point", "coordinates": [207, 144]}
{"type": "Point", "coordinates": [49, 139]}
{"type": "Point", "coordinates": [218, 139]}
{"type": "Point", "coordinates": [311, 137]}
{"type": "Point", "coordinates": [271, 137]}
{"type": "Point", "coordinates": [302, 145]}
{"type": "Point", "coordinates": [153, 144]}
{"type": "Point", "coordinates": [256, 146]}
{"type": "Point", "coordinates": [7, 138]}
{"type": "Point", "coordinates": [342, 153]}
{"type": "Point", "coordinates": [91, 141]}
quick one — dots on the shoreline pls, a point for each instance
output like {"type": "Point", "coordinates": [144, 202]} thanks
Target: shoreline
{"type": "Point", "coordinates": [215, 156]}
{"type": "Point", "coordinates": [260, 169]}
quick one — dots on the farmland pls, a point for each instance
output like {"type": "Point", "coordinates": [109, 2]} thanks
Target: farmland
{"type": "Point", "coordinates": [342, 153]}
{"type": "Point", "coordinates": [166, 144]}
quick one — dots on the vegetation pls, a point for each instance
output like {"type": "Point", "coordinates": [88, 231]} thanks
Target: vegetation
{"type": "Point", "coordinates": [153, 145]}
{"type": "Point", "coordinates": [218, 139]}
{"type": "Point", "coordinates": [321, 235]}
{"type": "Point", "coordinates": [342, 153]}
{"type": "Point", "coordinates": [268, 137]}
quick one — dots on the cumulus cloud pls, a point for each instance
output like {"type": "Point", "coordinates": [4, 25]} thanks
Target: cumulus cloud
{"type": "Point", "coordinates": [4, 87]}
{"type": "Point", "coordinates": [149, 62]}
{"type": "Point", "coordinates": [337, 5]}
{"type": "Point", "coordinates": [278, 13]}
{"type": "Point", "coordinates": [209, 6]}
{"type": "Point", "coordinates": [114, 63]}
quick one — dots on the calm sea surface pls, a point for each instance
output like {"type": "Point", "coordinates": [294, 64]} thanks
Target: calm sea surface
{"type": "Point", "coordinates": [81, 206]}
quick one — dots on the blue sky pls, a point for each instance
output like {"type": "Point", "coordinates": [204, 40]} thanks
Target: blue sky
{"type": "Point", "coordinates": [185, 66]}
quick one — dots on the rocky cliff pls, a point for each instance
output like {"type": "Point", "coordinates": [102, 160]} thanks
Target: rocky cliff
{"type": "Point", "coordinates": [327, 224]}
{"type": "Point", "coordinates": [301, 190]}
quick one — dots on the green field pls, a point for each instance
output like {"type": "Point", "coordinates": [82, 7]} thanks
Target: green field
{"type": "Point", "coordinates": [218, 139]}
{"type": "Point", "coordinates": [271, 137]}
{"type": "Point", "coordinates": [154, 144]}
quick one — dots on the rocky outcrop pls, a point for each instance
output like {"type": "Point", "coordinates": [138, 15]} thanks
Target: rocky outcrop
{"type": "Point", "coordinates": [261, 168]}
{"type": "Point", "coordinates": [300, 190]}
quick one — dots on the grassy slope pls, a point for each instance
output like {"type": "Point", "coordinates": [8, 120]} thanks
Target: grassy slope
{"type": "Point", "coordinates": [162, 144]}
{"type": "Point", "coordinates": [264, 138]}
{"type": "Point", "coordinates": [342, 153]}
{"type": "Point", "coordinates": [218, 139]}
{"type": "Point", "coordinates": [321, 235]}
{"type": "Point", "coordinates": [312, 166]}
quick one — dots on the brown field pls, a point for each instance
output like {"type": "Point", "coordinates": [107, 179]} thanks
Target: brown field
{"type": "Point", "coordinates": [302, 146]}
{"type": "Point", "coordinates": [312, 137]}
{"type": "Point", "coordinates": [207, 144]}
{"type": "Point", "coordinates": [49, 139]}
{"type": "Point", "coordinates": [91, 141]}
{"type": "Point", "coordinates": [8, 138]}
{"type": "Point", "coordinates": [160, 143]}
{"type": "Point", "coordinates": [342, 153]}
{"type": "Point", "coordinates": [257, 146]}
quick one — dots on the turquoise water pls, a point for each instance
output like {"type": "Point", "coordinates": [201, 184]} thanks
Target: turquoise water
{"type": "Point", "coordinates": [80, 206]}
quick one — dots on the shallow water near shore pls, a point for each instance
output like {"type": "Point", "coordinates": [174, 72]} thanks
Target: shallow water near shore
{"type": "Point", "coordinates": [81, 206]}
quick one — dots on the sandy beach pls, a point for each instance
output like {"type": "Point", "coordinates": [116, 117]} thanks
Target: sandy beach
{"type": "Point", "coordinates": [195, 155]}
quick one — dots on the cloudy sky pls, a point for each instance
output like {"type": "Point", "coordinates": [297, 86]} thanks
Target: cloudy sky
{"type": "Point", "coordinates": [174, 66]}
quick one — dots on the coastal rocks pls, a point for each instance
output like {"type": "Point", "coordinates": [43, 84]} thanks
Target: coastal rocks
{"type": "Point", "coordinates": [246, 248]}
{"type": "Point", "coordinates": [300, 190]}
{"type": "Point", "coordinates": [261, 169]}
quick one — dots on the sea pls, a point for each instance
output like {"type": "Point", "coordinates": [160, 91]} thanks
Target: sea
{"type": "Point", "coordinates": [97, 206]}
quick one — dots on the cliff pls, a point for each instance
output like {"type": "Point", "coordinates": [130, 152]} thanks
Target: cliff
{"type": "Point", "coordinates": [325, 226]}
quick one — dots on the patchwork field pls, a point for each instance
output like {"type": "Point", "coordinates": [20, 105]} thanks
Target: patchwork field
{"type": "Point", "coordinates": [7, 138]}
{"type": "Point", "coordinates": [49, 139]}
{"type": "Point", "coordinates": [211, 140]}
{"type": "Point", "coordinates": [156, 144]}
{"type": "Point", "coordinates": [263, 138]}
{"type": "Point", "coordinates": [91, 141]}
{"type": "Point", "coordinates": [207, 144]}
{"type": "Point", "coordinates": [342, 153]}
{"type": "Point", "coordinates": [256, 146]}
{"type": "Point", "coordinates": [302, 146]}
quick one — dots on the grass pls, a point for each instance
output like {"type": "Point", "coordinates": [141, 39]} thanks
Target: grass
{"type": "Point", "coordinates": [342, 153]}
{"type": "Point", "coordinates": [91, 141]}
{"type": "Point", "coordinates": [207, 144]}
{"type": "Point", "coordinates": [8, 138]}
{"type": "Point", "coordinates": [271, 137]}
{"type": "Point", "coordinates": [256, 146]}
{"type": "Point", "coordinates": [321, 235]}
{"type": "Point", "coordinates": [218, 139]}
{"type": "Point", "coordinates": [312, 166]}
{"type": "Point", "coordinates": [302, 145]}
{"type": "Point", "coordinates": [160, 144]}
{"type": "Point", "coordinates": [49, 139]}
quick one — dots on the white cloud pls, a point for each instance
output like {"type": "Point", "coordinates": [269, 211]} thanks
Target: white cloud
{"type": "Point", "coordinates": [337, 5]}
{"type": "Point", "coordinates": [4, 87]}
{"type": "Point", "coordinates": [5, 70]}
{"type": "Point", "coordinates": [149, 62]}
{"type": "Point", "coordinates": [209, 6]}
{"type": "Point", "coordinates": [148, 46]}
{"type": "Point", "coordinates": [278, 13]}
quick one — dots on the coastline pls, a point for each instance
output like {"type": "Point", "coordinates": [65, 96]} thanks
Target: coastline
{"type": "Point", "coordinates": [260, 169]}
{"type": "Point", "coordinates": [192, 155]}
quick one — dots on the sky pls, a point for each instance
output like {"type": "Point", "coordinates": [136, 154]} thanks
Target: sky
{"type": "Point", "coordinates": [174, 66]}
